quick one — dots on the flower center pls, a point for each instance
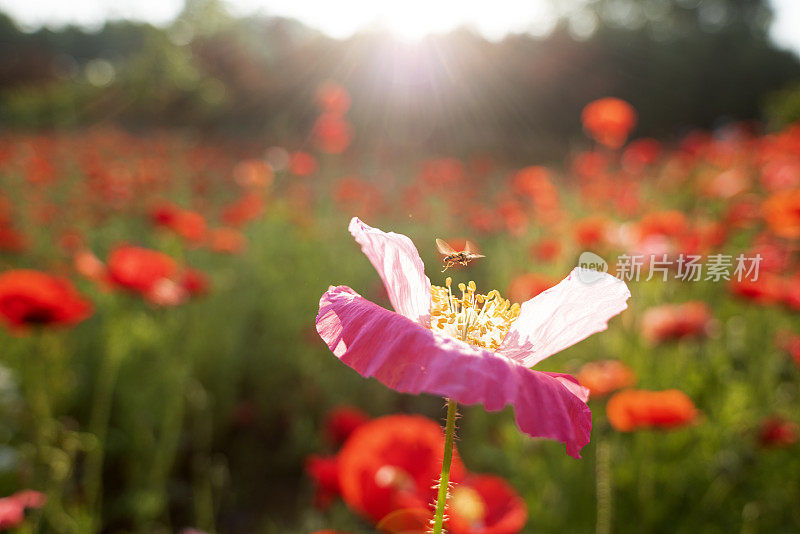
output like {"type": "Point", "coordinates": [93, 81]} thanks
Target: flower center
{"type": "Point", "coordinates": [480, 320]}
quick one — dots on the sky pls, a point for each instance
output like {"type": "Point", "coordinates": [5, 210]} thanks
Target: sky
{"type": "Point", "coordinates": [407, 18]}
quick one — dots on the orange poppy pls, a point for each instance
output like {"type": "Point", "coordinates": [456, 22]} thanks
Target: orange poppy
{"type": "Point", "coordinates": [609, 121]}
{"type": "Point", "coordinates": [782, 213]}
{"type": "Point", "coordinates": [636, 409]}
{"type": "Point", "coordinates": [605, 376]}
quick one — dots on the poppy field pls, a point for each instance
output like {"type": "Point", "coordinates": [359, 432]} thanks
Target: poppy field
{"type": "Point", "coordinates": [217, 335]}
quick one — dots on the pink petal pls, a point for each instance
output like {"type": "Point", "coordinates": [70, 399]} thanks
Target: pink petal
{"type": "Point", "coordinates": [409, 358]}
{"type": "Point", "coordinates": [561, 316]}
{"type": "Point", "coordinates": [572, 384]}
{"type": "Point", "coordinates": [397, 261]}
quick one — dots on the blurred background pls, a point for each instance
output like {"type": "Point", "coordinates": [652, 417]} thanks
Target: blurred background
{"type": "Point", "coordinates": [176, 181]}
{"type": "Point", "coordinates": [452, 78]}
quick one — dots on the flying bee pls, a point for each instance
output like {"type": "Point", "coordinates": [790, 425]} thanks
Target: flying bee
{"type": "Point", "coordinates": [453, 257]}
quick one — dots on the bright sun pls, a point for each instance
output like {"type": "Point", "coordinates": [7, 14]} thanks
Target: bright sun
{"type": "Point", "coordinates": [411, 20]}
{"type": "Point", "coordinates": [414, 19]}
{"type": "Point", "coordinates": [407, 19]}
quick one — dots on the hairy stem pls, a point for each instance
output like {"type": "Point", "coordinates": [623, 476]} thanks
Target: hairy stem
{"type": "Point", "coordinates": [444, 480]}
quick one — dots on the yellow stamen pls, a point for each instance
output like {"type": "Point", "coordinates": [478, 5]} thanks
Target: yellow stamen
{"type": "Point", "coordinates": [481, 320]}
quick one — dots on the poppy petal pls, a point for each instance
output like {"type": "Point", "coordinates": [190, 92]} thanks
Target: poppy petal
{"type": "Point", "coordinates": [397, 261]}
{"type": "Point", "coordinates": [575, 308]}
{"type": "Point", "coordinates": [411, 359]}
{"type": "Point", "coordinates": [572, 384]}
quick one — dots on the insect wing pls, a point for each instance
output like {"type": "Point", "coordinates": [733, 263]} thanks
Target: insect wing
{"type": "Point", "coordinates": [470, 249]}
{"type": "Point", "coordinates": [444, 248]}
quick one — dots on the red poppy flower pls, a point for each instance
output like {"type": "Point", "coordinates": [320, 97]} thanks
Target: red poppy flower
{"type": "Point", "coordinates": [532, 182]}
{"type": "Point", "coordinates": [392, 463]}
{"type": "Point", "coordinates": [166, 292]}
{"type": "Point", "coordinates": [189, 225]}
{"type": "Point", "coordinates": [696, 143]}
{"type": "Point", "coordinates": [139, 269]}
{"type": "Point", "coordinates": [333, 98]}
{"type": "Point", "coordinates": [247, 208]}
{"type": "Point", "coordinates": [255, 173]}
{"type": "Point", "coordinates": [29, 298]}
{"type": "Point", "coordinates": [776, 432]}
{"type": "Point", "coordinates": [780, 174]}
{"type": "Point", "coordinates": [791, 292]}
{"type": "Point", "coordinates": [670, 223]}
{"type": "Point", "coordinates": [11, 240]}
{"type": "Point", "coordinates": [742, 213]}
{"type": "Point", "coordinates": [546, 249]}
{"type": "Point", "coordinates": [703, 237]}
{"type": "Point", "coordinates": [767, 289]}
{"type": "Point", "coordinates": [481, 219]}
{"type": "Point", "coordinates": [790, 343]}
{"type": "Point", "coordinates": [513, 215]}
{"type": "Point", "coordinates": [782, 213]}
{"type": "Point", "coordinates": [641, 153]}
{"type": "Point", "coordinates": [442, 173]}
{"type": "Point", "coordinates": [194, 282]}
{"type": "Point", "coordinates": [332, 133]}
{"type": "Point", "coordinates": [485, 504]}
{"type": "Point", "coordinates": [636, 409]}
{"type": "Point", "coordinates": [324, 472]}
{"type": "Point", "coordinates": [163, 214]}
{"type": "Point", "coordinates": [590, 164]}
{"type": "Point", "coordinates": [676, 321]}
{"type": "Point", "coordinates": [302, 164]}
{"type": "Point", "coordinates": [90, 266]}
{"type": "Point", "coordinates": [71, 241]}
{"type": "Point", "coordinates": [609, 121]}
{"type": "Point", "coordinates": [776, 254]}
{"type": "Point", "coordinates": [343, 421]}
{"type": "Point", "coordinates": [591, 232]}
{"type": "Point", "coordinates": [354, 194]}
{"type": "Point", "coordinates": [605, 376]}
{"type": "Point", "coordinates": [227, 241]}
{"type": "Point", "coordinates": [726, 184]}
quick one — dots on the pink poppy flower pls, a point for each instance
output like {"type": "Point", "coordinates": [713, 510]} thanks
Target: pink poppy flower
{"type": "Point", "coordinates": [473, 349]}
{"type": "Point", "coordinates": [12, 508]}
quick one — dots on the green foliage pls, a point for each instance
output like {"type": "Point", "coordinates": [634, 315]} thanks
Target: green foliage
{"type": "Point", "coordinates": [783, 107]}
{"type": "Point", "coordinates": [45, 106]}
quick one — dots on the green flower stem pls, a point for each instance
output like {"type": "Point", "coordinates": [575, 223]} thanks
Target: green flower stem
{"type": "Point", "coordinates": [603, 481]}
{"type": "Point", "coordinates": [99, 420]}
{"type": "Point", "coordinates": [53, 461]}
{"type": "Point", "coordinates": [38, 386]}
{"type": "Point", "coordinates": [170, 430]}
{"type": "Point", "coordinates": [444, 480]}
